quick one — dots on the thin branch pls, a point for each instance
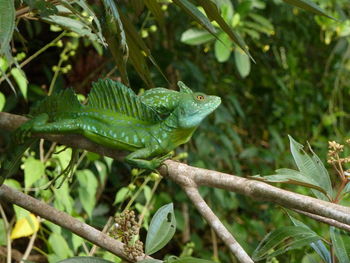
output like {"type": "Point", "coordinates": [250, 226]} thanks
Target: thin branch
{"type": "Point", "coordinates": [325, 220]}
{"type": "Point", "coordinates": [216, 224]}
{"type": "Point", "coordinates": [62, 219]}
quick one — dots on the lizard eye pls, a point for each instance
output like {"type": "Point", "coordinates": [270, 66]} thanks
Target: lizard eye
{"type": "Point", "coordinates": [200, 97]}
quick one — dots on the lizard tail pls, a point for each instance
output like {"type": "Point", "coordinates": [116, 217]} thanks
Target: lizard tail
{"type": "Point", "coordinates": [11, 159]}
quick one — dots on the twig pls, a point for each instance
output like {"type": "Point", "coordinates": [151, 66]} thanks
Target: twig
{"type": "Point", "coordinates": [62, 219]}
{"type": "Point", "coordinates": [104, 230]}
{"type": "Point", "coordinates": [325, 220]}
{"type": "Point", "coordinates": [30, 245]}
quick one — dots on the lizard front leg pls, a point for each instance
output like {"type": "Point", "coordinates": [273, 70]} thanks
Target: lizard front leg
{"type": "Point", "coordinates": [138, 157]}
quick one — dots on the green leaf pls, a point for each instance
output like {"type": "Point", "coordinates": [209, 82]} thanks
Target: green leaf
{"type": "Point", "coordinates": [2, 232]}
{"type": "Point", "coordinates": [2, 101]}
{"type": "Point", "coordinates": [213, 13]}
{"type": "Point", "coordinates": [312, 168]}
{"type": "Point", "coordinates": [59, 246]}
{"type": "Point", "coordinates": [283, 239]}
{"type": "Point", "coordinates": [223, 48]}
{"type": "Point", "coordinates": [195, 36]}
{"type": "Point", "coordinates": [87, 190]}
{"type": "Point", "coordinates": [198, 16]}
{"type": "Point", "coordinates": [242, 63]}
{"type": "Point", "coordinates": [21, 80]}
{"type": "Point", "coordinates": [7, 24]}
{"type": "Point", "coordinates": [85, 260]}
{"type": "Point", "coordinates": [33, 171]}
{"type": "Point", "coordinates": [318, 245]}
{"type": "Point", "coordinates": [161, 229]}
{"type": "Point", "coordinates": [339, 246]}
{"type": "Point", "coordinates": [308, 6]}
{"type": "Point", "coordinates": [121, 195]}
{"type": "Point", "coordinates": [156, 10]}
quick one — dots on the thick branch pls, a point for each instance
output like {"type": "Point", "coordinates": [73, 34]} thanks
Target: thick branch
{"type": "Point", "coordinates": [62, 219]}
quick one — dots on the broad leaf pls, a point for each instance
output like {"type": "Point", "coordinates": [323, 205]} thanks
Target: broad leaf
{"type": "Point", "coordinates": [283, 239]}
{"type": "Point", "coordinates": [242, 63]}
{"type": "Point", "coordinates": [85, 260]}
{"type": "Point", "coordinates": [161, 229]}
{"type": "Point", "coordinates": [21, 80]}
{"type": "Point", "coordinates": [87, 190]}
{"type": "Point", "coordinates": [33, 170]}
{"type": "Point", "coordinates": [195, 36]}
{"type": "Point", "coordinates": [223, 48]}
{"type": "Point", "coordinates": [25, 226]}
{"type": "Point", "coordinates": [339, 246]}
{"type": "Point", "coordinates": [7, 24]}
{"type": "Point", "coordinates": [308, 6]}
{"type": "Point", "coordinates": [2, 101]}
{"type": "Point", "coordinates": [59, 246]}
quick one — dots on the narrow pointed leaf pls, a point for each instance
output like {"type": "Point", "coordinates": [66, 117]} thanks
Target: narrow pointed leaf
{"type": "Point", "coordinates": [318, 245]}
{"type": "Point", "coordinates": [339, 246]}
{"type": "Point", "coordinates": [161, 229]}
{"type": "Point", "coordinates": [283, 239]}
{"type": "Point", "coordinates": [193, 11]}
{"type": "Point", "coordinates": [156, 10]}
{"type": "Point", "coordinates": [213, 13]}
{"type": "Point", "coordinates": [308, 6]}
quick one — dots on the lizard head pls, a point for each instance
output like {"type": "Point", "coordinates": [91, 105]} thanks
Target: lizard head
{"type": "Point", "coordinates": [193, 107]}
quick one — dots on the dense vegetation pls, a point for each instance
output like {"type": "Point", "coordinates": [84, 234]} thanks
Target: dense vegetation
{"type": "Point", "coordinates": [298, 85]}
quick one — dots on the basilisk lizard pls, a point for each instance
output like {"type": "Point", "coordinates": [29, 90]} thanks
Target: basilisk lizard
{"type": "Point", "coordinates": [149, 126]}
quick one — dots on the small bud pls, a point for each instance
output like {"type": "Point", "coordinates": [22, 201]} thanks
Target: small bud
{"type": "Point", "coordinates": [131, 187]}
{"type": "Point", "coordinates": [72, 53]}
{"type": "Point", "coordinates": [59, 43]}
{"type": "Point", "coordinates": [135, 172]}
{"type": "Point", "coordinates": [154, 176]}
{"type": "Point", "coordinates": [144, 33]}
{"type": "Point", "coordinates": [153, 28]}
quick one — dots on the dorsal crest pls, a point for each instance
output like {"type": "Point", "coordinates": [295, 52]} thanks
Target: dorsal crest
{"type": "Point", "coordinates": [113, 95]}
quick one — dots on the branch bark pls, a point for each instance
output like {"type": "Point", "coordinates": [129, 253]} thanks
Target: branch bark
{"type": "Point", "coordinates": [189, 178]}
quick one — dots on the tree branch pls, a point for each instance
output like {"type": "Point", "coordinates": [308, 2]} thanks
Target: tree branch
{"type": "Point", "coordinates": [62, 219]}
{"type": "Point", "coordinates": [190, 177]}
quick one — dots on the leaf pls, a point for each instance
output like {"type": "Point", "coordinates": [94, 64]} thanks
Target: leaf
{"type": "Point", "coordinates": [308, 6]}
{"type": "Point", "coordinates": [2, 232]}
{"type": "Point", "coordinates": [195, 36]}
{"type": "Point", "coordinates": [25, 227]}
{"type": "Point", "coordinates": [318, 246]}
{"type": "Point", "coordinates": [223, 48]}
{"type": "Point", "coordinates": [283, 239]}
{"type": "Point", "coordinates": [242, 63]}
{"type": "Point", "coordinates": [59, 246]}
{"type": "Point", "coordinates": [85, 260]}
{"type": "Point", "coordinates": [21, 80]}
{"type": "Point", "coordinates": [213, 13]}
{"type": "Point", "coordinates": [2, 101]}
{"type": "Point", "coordinates": [199, 17]}
{"type": "Point", "coordinates": [33, 170]}
{"type": "Point", "coordinates": [7, 24]}
{"type": "Point", "coordinates": [121, 195]}
{"type": "Point", "coordinates": [161, 229]}
{"type": "Point", "coordinates": [311, 168]}
{"type": "Point", "coordinates": [339, 246]}
{"type": "Point", "coordinates": [87, 190]}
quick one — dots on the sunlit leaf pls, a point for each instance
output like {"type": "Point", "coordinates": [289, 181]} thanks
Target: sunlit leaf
{"type": "Point", "coordinates": [2, 101]}
{"type": "Point", "coordinates": [21, 80]}
{"type": "Point", "coordinates": [33, 170]}
{"type": "Point", "coordinates": [25, 226]}
{"type": "Point", "coordinates": [161, 229]}
{"type": "Point", "coordinates": [195, 36]}
{"type": "Point", "coordinates": [223, 48]}
{"type": "Point", "coordinates": [308, 6]}
{"type": "Point", "coordinates": [339, 246]}
{"type": "Point", "coordinates": [242, 63]}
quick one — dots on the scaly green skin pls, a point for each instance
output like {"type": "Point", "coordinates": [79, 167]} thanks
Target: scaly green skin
{"type": "Point", "coordinates": [149, 126]}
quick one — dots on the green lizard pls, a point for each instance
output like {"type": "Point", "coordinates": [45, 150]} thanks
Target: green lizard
{"type": "Point", "coordinates": [149, 126]}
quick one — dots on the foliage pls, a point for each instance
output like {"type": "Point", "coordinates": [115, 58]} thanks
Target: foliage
{"type": "Point", "coordinates": [297, 85]}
